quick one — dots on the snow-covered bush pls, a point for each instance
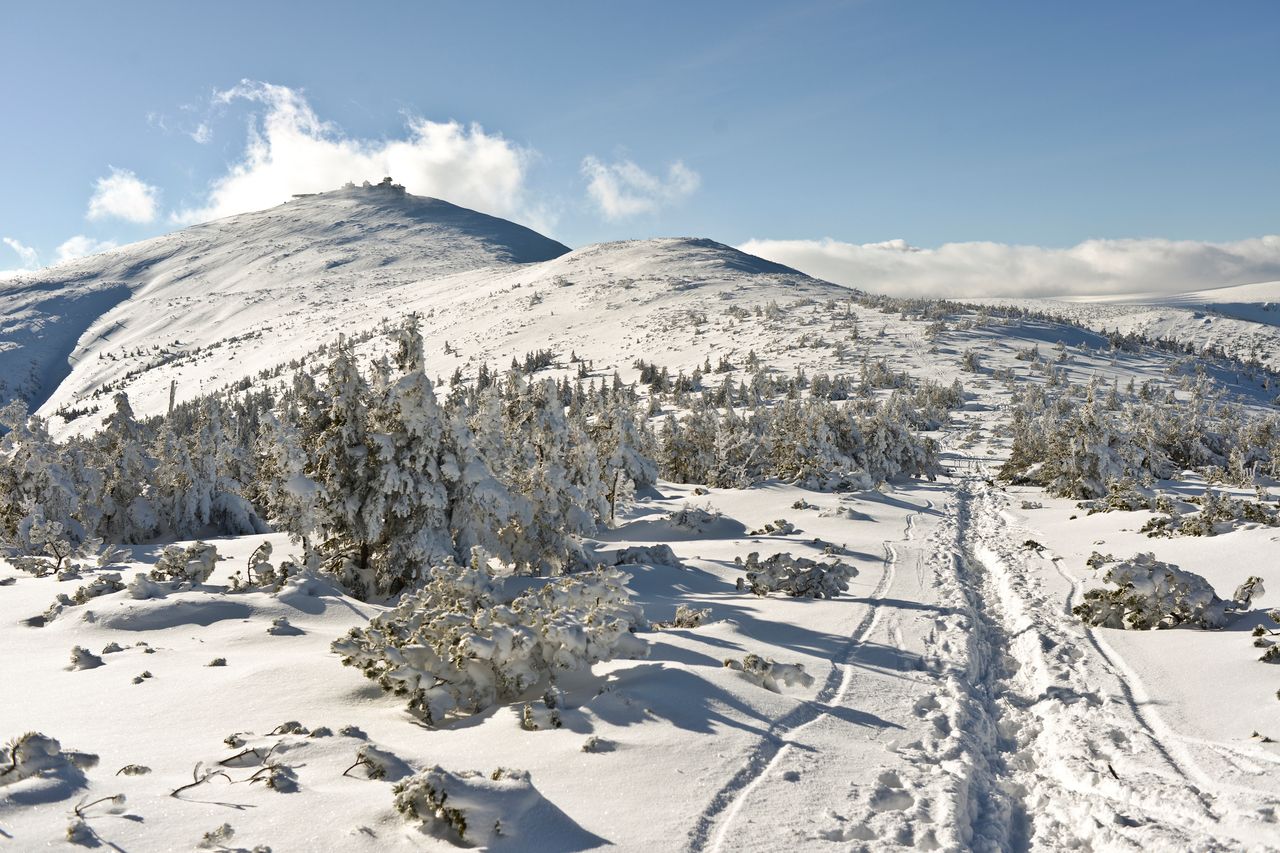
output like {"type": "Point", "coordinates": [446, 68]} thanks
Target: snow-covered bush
{"type": "Point", "coordinates": [377, 763]}
{"type": "Point", "coordinates": [770, 674]}
{"type": "Point", "coordinates": [469, 639]}
{"type": "Point", "coordinates": [686, 617]}
{"type": "Point", "coordinates": [143, 587]}
{"type": "Point", "coordinates": [468, 808]}
{"type": "Point", "coordinates": [104, 584]}
{"type": "Point", "coordinates": [190, 565]}
{"type": "Point", "coordinates": [82, 658]}
{"type": "Point", "coordinates": [696, 519]}
{"type": "Point", "coordinates": [649, 555]}
{"type": "Point", "coordinates": [798, 577]}
{"type": "Point", "coordinates": [1123, 495]}
{"type": "Point", "coordinates": [1218, 513]}
{"type": "Point", "coordinates": [1146, 593]}
{"type": "Point", "coordinates": [779, 527]}
{"type": "Point", "coordinates": [260, 573]}
{"type": "Point", "coordinates": [36, 754]}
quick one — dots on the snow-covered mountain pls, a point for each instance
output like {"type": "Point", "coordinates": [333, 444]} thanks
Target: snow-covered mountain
{"type": "Point", "coordinates": [89, 321]}
{"type": "Point", "coordinates": [212, 304]}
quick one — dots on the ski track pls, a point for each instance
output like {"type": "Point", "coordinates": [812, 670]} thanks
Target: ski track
{"type": "Point", "coordinates": [716, 819]}
{"type": "Point", "coordinates": [1041, 742]}
{"type": "Point", "coordinates": [1036, 735]}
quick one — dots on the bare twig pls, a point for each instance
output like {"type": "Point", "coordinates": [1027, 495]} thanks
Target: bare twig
{"type": "Point", "coordinates": [361, 760]}
{"type": "Point", "coordinates": [195, 774]}
{"type": "Point", "coordinates": [80, 808]}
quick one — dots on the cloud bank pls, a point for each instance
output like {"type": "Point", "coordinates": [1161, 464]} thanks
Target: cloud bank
{"type": "Point", "coordinates": [291, 150]}
{"type": "Point", "coordinates": [1094, 267]}
{"type": "Point", "coordinates": [623, 189]}
{"type": "Point", "coordinates": [121, 195]}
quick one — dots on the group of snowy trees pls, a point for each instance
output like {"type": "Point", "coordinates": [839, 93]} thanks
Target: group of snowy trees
{"type": "Point", "coordinates": [380, 479]}
{"type": "Point", "coordinates": [1076, 442]}
{"type": "Point", "coordinates": [129, 482]}
{"type": "Point", "coordinates": [809, 441]}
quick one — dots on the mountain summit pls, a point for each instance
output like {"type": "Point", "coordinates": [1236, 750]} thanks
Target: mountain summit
{"type": "Point", "coordinates": [274, 261]}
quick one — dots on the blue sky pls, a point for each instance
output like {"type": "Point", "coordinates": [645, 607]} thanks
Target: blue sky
{"type": "Point", "coordinates": [929, 122]}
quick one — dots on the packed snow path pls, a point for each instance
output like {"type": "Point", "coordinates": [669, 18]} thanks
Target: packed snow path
{"type": "Point", "coordinates": [972, 711]}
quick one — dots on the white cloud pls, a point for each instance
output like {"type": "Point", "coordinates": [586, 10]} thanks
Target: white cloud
{"type": "Point", "coordinates": [291, 150]}
{"type": "Point", "coordinates": [29, 257]}
{"type": "Point", "coordinates": [997, 269]}
{"type": "Point", "coordinates": [79, 246]}
{"type": "Point", "coordinates": [623, 189]}
{"type": "Point", "coordinates": [203, 134]}
{"type": "Point", "coordinates": [123, 196]}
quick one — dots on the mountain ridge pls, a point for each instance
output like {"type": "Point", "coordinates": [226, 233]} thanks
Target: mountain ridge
{"type": "Point", "coordinates": [213, 303]}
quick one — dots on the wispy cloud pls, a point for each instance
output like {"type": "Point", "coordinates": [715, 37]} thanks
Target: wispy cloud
{"type": "Point", "coordinates": [623, 189]}
{"type": "Point", "coordinates": [122, 195]}
{"type": "Point", "coordinates": [998, 269]}
{"type": "Point", "coordinates": [29, 257]}
{"type": "Point", "coordinates": [290, 150]}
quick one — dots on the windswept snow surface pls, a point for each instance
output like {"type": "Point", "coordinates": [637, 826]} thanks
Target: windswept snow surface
{"type": "Point", "coordinates": [956, 703]}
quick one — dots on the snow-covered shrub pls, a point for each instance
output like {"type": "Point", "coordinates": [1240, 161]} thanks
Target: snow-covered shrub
{"type": "Point", "coordinates": [190, 565]}
{"type": "Point", "coordinates": [143, 587]}
{"type": "Point", "coordinates": [377, 763]}
{"type": "Point", "coordinates": [780, 527]}
{"type": "Point", "coordinates": [696, 519]}
{"type": "Point", "coordinates": [798, 577]}
{"type": "Point", "coordinates": [261, 574]}
{"type": "Point", "coordinates": [281, 627]}
{"type": "Point", "coordinates": [1146, 593]}
{"type": "Point", "coordinates": [648, 555]}
{"type": "Point", "coordinates": [686, 617]}
{"type": "Point", "coordinates": [469, 807]}
{"type": "Point", "coordinates": [470, 639]}
{"type": "Point", "coordinates": [82, 658]}
{"type": "Point", "coordinates": [217, 839]}
{"type": "Point", "coordinates": [596, 744]}
{"type": "Point", "coordinates": [1218, 513]}
{"type": "Point", "coordinates": [1123, 495]}
{"type": "Point", "coordinates": [104, 584]}
{"type": "Point", "coordinates": [36, 754]}
{"type": "Point", "coordinates": [770, 674]}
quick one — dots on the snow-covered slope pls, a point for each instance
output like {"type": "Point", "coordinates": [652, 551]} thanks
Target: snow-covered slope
{"type": "Point", "coordinates": [610, 303]}
{"type": "Point", "coordinates": [1242, 321]}
{"type": "Point", "coordinates": [92, 320]}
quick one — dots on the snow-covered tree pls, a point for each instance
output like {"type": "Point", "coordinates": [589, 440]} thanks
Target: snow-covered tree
{"type": "Point", "coordinates": [128, 514]}
{"type": "Point", "coordinates": [348, 509]}
{"type": "Point", "coordinates": [406, 434]}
